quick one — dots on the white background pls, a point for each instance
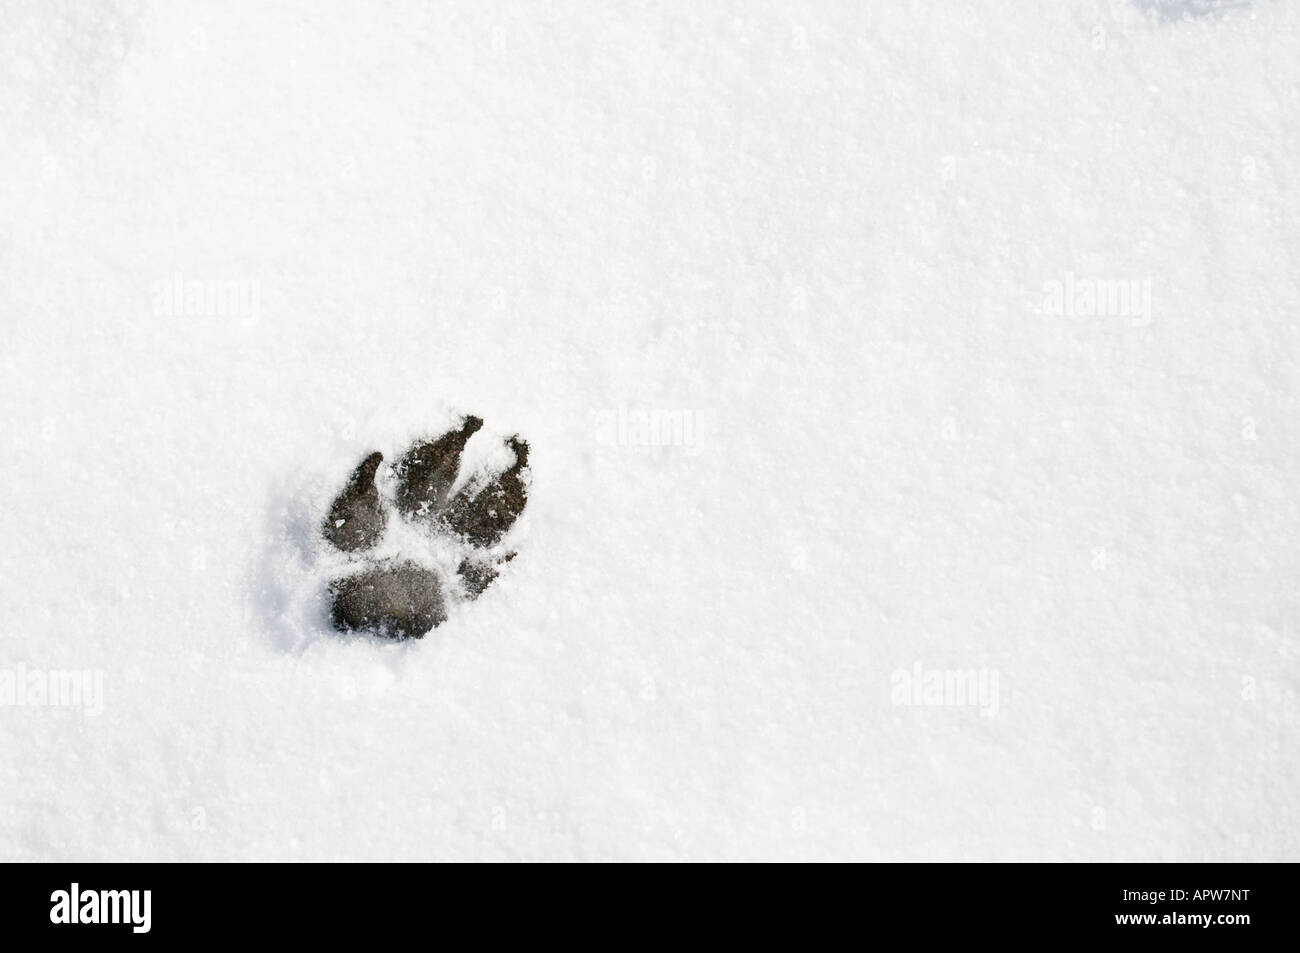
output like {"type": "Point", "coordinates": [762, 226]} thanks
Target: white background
{"type": "Point", "coordinates": [824, 230]}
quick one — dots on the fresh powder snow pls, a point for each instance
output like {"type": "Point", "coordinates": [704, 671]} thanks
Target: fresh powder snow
{"type": "Point", "coordinates": [911, 392]}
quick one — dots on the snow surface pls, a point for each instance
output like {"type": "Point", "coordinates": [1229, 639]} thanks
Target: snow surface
{"type": "Point", "coordinates": [816, 238]}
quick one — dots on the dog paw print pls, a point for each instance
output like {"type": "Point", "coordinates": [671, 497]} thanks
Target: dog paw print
{"type": "Point", "coordinates": [419, 536]}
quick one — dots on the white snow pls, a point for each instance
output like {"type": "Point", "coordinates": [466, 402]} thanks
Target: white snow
{"type": "Point", "coordinates": [813, 244]}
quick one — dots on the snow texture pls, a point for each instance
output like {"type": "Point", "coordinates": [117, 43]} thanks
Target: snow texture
{"type": "Point", "coordinates": [858, 346]}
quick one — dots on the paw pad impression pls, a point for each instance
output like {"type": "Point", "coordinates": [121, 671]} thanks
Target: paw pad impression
{"type": "Point", "coordinates": [420, 534]}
